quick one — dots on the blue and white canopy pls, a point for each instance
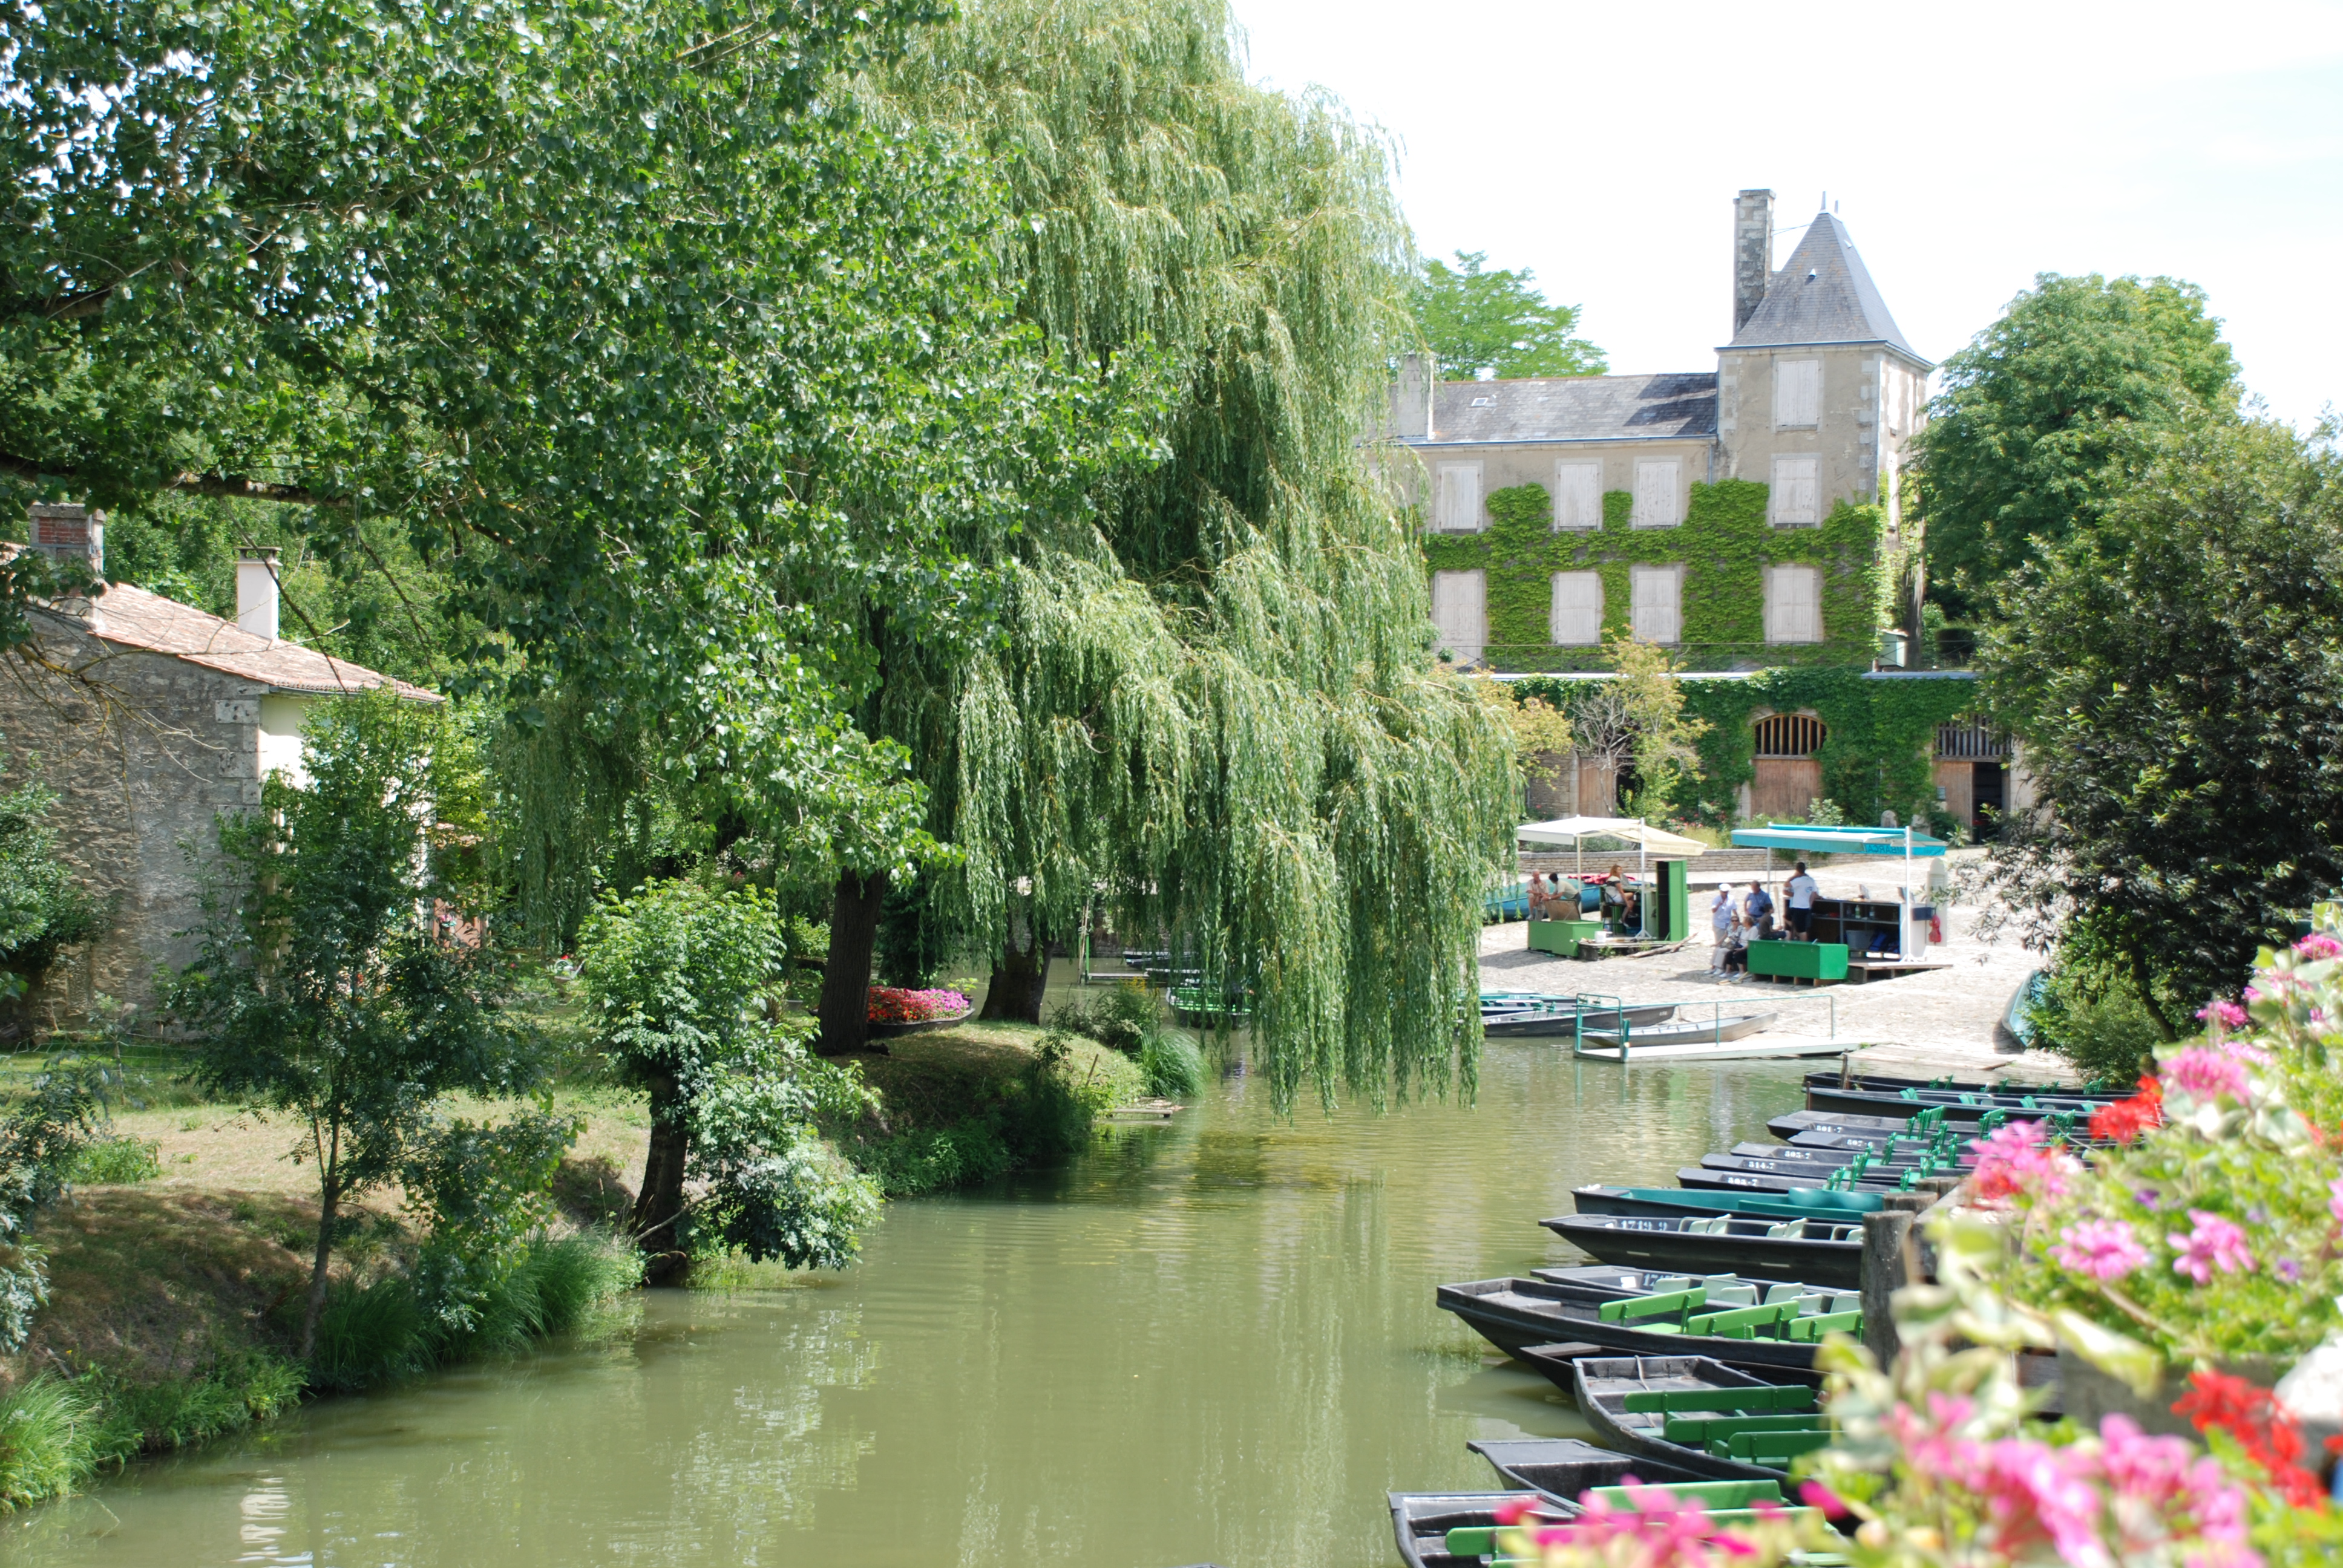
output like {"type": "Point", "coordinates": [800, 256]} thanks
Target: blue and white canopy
{"type": "Point", "coordinates": [1815, 840]}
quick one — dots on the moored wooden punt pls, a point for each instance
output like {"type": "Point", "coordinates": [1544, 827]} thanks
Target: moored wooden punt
{"type": "Point", "coordinates": [1691, 1412]}
{"type": "Point", "coordinates": [1818, 1252]}
{"type": "Point", "coordinates": [1421, 1521]}
{"type": "Point", "coordinates": [1796, 1121]}
{"type": "Point", "coordinates": [1564, 1467]}
{"type": "Point", "coordinates": [1704, 1320]}
{"type": "Point", "coordinates": [1538, 1023]}
{"type": "Point", "coordinates": [1956, 1107]}
{"type": "Point", "coordinates": [1599, 1198]}
{"type": "Point", "coordinates": [1701, 1178]}
{"type": "Point", "coordinates": [1884, 1083]}
{"type": "Point", "coordinates": [1683, 1031]}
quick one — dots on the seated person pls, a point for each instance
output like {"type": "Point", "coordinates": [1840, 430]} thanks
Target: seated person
{"type": "Point", "coordinates": [1736, 951]}
{"type": "Point", "coordinates": [1631, 912]}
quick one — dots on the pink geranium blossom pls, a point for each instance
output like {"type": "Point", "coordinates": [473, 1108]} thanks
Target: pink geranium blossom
{"type": "Point", "coordinates": [2223, 1014]}
{"type": "Point", "coordinates": [2318, 945]}
{"type": "Point", "coordinates": [2103, 1248]}
{"type": "Point", "coordinates": [2014, 1162]}
{"type": "Point", "coordinates": [2335, 1199]}
{"type": "Point", "coordinates": [2215, 1243]}
{"type": "Point", "coordinates": [2204, 1073]}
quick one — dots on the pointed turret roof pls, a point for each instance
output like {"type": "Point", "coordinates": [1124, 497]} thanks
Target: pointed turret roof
{"type": "Point", "coordinates": [1823, 293]}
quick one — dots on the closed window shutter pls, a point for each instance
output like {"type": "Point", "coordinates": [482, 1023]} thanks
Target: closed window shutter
{"type": "Point", "coordinates": [1656, 614]}
{"type": "Point", "coordinates": [1577, 619]}
{"type": "Point", "coordinates": [1796, 489]}
{"type": "Point", "coordinates": [1460, 612]}
{"type": "Point", "coordinates": [1578, 495]}
{"type": "Point", "coordinates": [1459, 510]}
{"type": "Point", "coordinates": [1797, 393]}
{"type": "Point", "coordinates": [1656, 495]}
{"type": "Point", "coordinates": [1793, 604]}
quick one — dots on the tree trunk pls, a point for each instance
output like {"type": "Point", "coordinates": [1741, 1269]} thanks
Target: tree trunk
{"type": "Point", "coordinates": [1019, 979]}
{"type": "Point", "coordinates": [658, 1203]}
{"type": "Point", "coordinates": [329, 1204]}
{"type": "Point", "coordinates": [845, 978]}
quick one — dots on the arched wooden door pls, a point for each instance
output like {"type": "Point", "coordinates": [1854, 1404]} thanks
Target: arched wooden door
{"type": "Point", "coordinates": [1789, 775]}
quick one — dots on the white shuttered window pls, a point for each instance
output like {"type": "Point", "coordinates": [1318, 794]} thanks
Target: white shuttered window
{"type": "Point", "coordinates": [1797, 394]}
{"type": "Point", "coordinates": [1577, 495]}
{"type": "Point", "coordinates": [1460, 613]}
{"type": "Point", "coordinates": [1659, 603]}
{"type": "Point", "coordinates": [1659, 493]}
{"type": "Point", "coordinates": [1457, 505]}
{"type": "Point", "coordinates": [1797, 490]}
{"type": "Point", "coordinates": [1793, 604]}
{"type": "Point", "coordinates": [1577, 617]}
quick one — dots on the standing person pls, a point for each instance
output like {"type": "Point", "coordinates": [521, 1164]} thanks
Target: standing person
{"type": "Point", "coordinates": [1757, 910]}
{"type": "Point", "coordinates": [1720, 923]}
{"type": "Point", "coordinates": [1537, 895]}
{"type": "Point", "coordinates": [1802, 891]}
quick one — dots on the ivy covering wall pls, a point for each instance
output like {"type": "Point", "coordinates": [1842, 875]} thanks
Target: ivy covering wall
{"type": "Point", "coordinates": [1876, 756]}
{"type": "Point", "coordinates": [1724, 545]}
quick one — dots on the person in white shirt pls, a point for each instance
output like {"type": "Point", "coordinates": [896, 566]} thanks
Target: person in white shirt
{"type": "Point", "coordinates": [1720, 919]}
{"type": "Point", "coordinates": [1802, 891]}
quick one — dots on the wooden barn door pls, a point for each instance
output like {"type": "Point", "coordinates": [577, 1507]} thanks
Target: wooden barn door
{"type": "Point", "coordinates": [1785, 788]}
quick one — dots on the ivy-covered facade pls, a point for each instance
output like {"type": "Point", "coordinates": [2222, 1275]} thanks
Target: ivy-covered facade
{"type": "Point", "coordinates": [1748, 519]}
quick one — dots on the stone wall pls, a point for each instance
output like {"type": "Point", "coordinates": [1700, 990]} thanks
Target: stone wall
{"type": "Point", "coordinates": [146, 752]}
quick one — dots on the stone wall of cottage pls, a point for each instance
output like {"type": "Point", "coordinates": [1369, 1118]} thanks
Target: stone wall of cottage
{"type": "Point", "coordinates": [146, 753]}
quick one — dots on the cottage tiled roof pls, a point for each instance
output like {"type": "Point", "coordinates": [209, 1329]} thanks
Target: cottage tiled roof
{"type": "Point", "coordinates": [1577, 408]}
{"type": "Point", "coordinates": [1823, 293]}
{"type": "Point", "coordinates": [130, 616]}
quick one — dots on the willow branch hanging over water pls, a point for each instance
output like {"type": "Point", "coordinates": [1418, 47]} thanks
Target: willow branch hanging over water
{"type": "Point", "coordinates": [1214, 709]}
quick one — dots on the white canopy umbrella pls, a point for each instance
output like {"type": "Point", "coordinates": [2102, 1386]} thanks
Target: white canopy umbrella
{"type": "Point", "coordinates": [1576, 832]}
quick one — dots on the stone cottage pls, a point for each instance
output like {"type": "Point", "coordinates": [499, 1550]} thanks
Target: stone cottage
{"type": "Point", "coordinates": [1749, 516]}
{"type": "Point", "coordinates": [151, 719]}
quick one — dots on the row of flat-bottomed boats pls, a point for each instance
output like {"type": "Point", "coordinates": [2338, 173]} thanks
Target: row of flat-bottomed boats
{"type": "Point", "coordinates": [1689, 1344]}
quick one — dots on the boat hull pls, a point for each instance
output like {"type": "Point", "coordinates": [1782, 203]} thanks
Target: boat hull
{"type": "Point", "coordinates": [1656, 1242]}
{"type": "Point", "coordinates": [1684, 1032]}
{"type": "Point", "coordinates": [1600, 1199]}
{"type": "Point", "coordinates": [1514, 1314]}
{"type": "Point", "coordinates": [1600, 1384]}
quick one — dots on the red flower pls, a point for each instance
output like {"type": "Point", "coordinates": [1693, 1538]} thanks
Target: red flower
{"type": "Point", "coordinates": [2260, 1425]}
{"type": "Point", "coordinates": [2126, 1120]}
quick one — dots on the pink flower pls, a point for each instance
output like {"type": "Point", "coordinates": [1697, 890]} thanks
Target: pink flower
{"type": "Point", "coordinates": [2223, 1014]}
{"type": "Point", "coordinates": [2205, 1073]}
{"type": "Point", "coordinates": [2215, 1243]}
{"type": "Point", "coordinates": [2320, 945]}
{"type": "Point", "coordinates": [2103, 1248]}
{"type": "Point", "coordinates": [2014, 1162]}
{"type": "Point", "coordinates": [2335, 1199]}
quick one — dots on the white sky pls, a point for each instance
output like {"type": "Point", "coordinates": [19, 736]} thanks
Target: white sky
{"type": "Point", "coordinates": [1967, 148]}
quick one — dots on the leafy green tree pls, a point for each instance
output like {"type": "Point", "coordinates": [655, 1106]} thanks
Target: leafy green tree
{"type": "Point", "coordinates": [2175, 676]}
{"type": "Point", "coordinates": [320, 990]}
{"type": "Point", "coordinates": [1212, 708]}
{"type": "Point", "coordinates": [1483, 323]}
{"type": "Point", "coordinates": [654, 351]}
{"type": "Point", "coordinates": [683, 984]}
{"type": "Point", "coordinates": [42, 907]}
{"type": "Point", "coordinates": [2029, 440]}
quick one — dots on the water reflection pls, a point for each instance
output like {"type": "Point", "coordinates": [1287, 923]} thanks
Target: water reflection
{"type": "Point", "coordinates": [1211, 1341]}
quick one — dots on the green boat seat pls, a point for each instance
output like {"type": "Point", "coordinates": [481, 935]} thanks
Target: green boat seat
{"type": "Point", "coordinates": [1785, 1292]}
{"type": "Point", "coordinates": [1741, 1323]}
{"type": "Point", "coordinates": [1710, 1493]}
{"type": "Point", "coordinates": [1754, 1396]}
{"type": "Point", "coordinates": [1695, 1431]}
{"type": "Point", "coordinates": [1732, 1295]}
{"type": "Point", "coordinates": [1812, 1330]}
{"type": "Point", "coordinates": [1772, 1447]}
{"type": "Point", "coordinates": [1632, 1309]}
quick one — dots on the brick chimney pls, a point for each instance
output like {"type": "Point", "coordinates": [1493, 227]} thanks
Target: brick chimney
{"type": "Point", "coordinates": [255, 591]}
{"type": "Point", "coordinates": [1752, 253]}
{"type": "Point", "coordinates": [68, 532]}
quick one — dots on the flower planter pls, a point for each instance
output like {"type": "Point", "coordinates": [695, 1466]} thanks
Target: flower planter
{"type": "Point", "coordinates": [2088, 1395]}
{"type": "Point", "coordinates": [877, 1030]}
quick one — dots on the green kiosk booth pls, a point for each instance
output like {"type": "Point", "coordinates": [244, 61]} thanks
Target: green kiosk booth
{"type": "Point", "coordinates": [1665, 909]}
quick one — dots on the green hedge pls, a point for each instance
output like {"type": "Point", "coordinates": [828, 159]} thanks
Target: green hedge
{"type": "Point", "coordinates": [1725, 544]}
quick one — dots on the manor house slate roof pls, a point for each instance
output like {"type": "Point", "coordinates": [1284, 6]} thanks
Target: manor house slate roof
{"type": "Point", "coordinates": [1823, 293]}
{"type": "Point", "coordinates": [132, 617]}
{"type": "Point", "coordinates": [1673, 406]}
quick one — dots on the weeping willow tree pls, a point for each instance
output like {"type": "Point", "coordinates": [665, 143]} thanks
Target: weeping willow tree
{"type": "Point", "coordinates": [1212, 711]}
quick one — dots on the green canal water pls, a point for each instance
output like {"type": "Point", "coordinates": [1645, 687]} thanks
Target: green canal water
{"type": "Point", "coordinates": [1213, 1342]}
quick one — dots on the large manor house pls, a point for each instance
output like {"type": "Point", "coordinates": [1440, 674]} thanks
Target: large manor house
{"type": "Point", "coordinates": [1814, 397]}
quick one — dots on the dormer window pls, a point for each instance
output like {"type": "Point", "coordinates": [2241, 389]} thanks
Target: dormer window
{"type": "Point", "coordinates": [1797, 394]}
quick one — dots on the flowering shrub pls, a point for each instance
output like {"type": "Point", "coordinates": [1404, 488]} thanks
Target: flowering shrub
{"type": "Point", "coordinates": [2208, 1225]}
{"type": "Point", "coordinates": [892, 1004]}
{"type": "Point", "coordinates": [1657, 1529]}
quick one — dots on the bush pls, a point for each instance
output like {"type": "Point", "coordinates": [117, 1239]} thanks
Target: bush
{"type": "Point", "coordinates": [1120, 1017]}
{"type": "Point", "coordinates": [45, 1428]}
{"type": "Point", "coordinates": [911, 1164]}
{"type": "Point", "coordinates": [116, 1162]}
{"type": "Point", "coordinates": [2104, 1031]}
{"type": "Point", "coordinates": [1171, 1064]}
{"type": "Point", "coordinates": [158, 1417]}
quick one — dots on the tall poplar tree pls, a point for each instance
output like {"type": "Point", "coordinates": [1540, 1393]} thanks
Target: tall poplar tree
{"type": "Point", "coordinates": [1213, 710]}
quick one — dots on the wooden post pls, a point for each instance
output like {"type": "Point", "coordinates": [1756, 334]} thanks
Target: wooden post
{"type": "Point", "coordinates": [1882, 1276]}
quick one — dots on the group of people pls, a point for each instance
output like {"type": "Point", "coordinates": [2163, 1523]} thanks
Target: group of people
{"type": "Point", "coordinates": [1619, 901]}
{"type": "Point", "coordinates": [1735, 922]}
